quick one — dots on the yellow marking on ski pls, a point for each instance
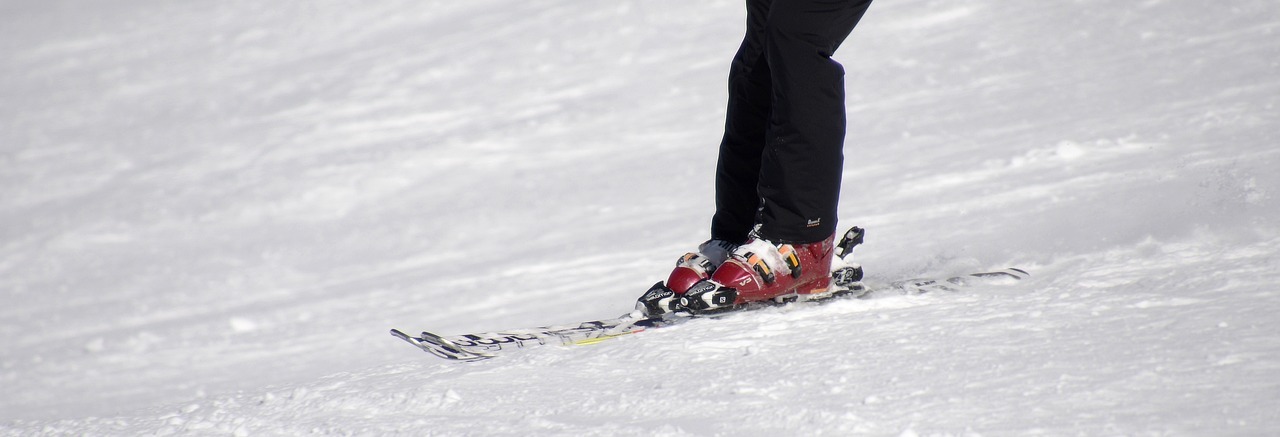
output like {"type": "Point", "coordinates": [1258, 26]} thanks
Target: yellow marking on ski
{"type": "Point", "coordinates": [602, 338]}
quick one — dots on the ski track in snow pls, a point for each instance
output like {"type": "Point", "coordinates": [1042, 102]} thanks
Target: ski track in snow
{"type": "Point", "coordinates": [210, 214]}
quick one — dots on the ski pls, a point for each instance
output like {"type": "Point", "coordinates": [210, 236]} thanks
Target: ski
{"type": "Point", "coordinates": [482, 346]}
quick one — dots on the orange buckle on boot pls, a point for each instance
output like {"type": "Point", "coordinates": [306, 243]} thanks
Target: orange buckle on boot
{"type": "Point", "coordinates": [761, 267]}
{"type": "Point", "coordinates": [793, 262]}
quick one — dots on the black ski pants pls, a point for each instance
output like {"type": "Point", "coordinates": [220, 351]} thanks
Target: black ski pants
{"type": "Point", "coordinates": [782, 154]}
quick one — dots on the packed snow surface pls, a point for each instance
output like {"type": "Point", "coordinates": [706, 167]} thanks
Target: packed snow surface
{"type": "Point", "coordinates": [212, 212]}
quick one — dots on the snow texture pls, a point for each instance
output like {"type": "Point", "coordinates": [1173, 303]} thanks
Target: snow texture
{"type": "Point", "coordinates": [212, 212]}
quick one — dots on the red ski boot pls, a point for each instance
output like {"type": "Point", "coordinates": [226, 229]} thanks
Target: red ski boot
{"type": "Point", "coordinates": [692, 268]}
{"type": "Point", "coordinates": [697, 266]}
{"type": "Point", "coordinates": [760, 270]}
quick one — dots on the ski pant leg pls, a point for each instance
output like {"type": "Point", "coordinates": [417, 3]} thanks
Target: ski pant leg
{"type": "Point", "coordinates": [782, 155]}
{"type": "Point", "coordinates": [746, 120]}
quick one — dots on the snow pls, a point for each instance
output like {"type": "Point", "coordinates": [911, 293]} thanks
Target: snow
{"type": "Point", "coordinates": [212, 213]}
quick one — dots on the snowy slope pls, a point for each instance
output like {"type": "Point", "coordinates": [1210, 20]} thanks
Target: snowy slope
{"type": "Point", "coordinates": [211, 213]}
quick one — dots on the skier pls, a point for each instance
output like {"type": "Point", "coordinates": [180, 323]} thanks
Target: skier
{"type": "Point", "coordinates": [779, 169]}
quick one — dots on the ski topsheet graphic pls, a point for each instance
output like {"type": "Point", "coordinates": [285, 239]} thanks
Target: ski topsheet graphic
{"type": "Point", "coordinates": [480, 346]}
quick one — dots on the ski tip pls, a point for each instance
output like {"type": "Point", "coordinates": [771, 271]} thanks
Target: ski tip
{"type": "Point", "coordinates": [1012, 273]}
{"type": "Point", "coordinates": [438, 346]}
{"type": "Point", "coordinates": [1016, 273]}
{"type": "Point", "coordinates": [444, 348]}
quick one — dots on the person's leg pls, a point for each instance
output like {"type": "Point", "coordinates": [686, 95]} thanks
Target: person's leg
{"type": "Point", "coordinates": [803, 158]}
{"type": "Point", "coordinates": [750, 97]}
